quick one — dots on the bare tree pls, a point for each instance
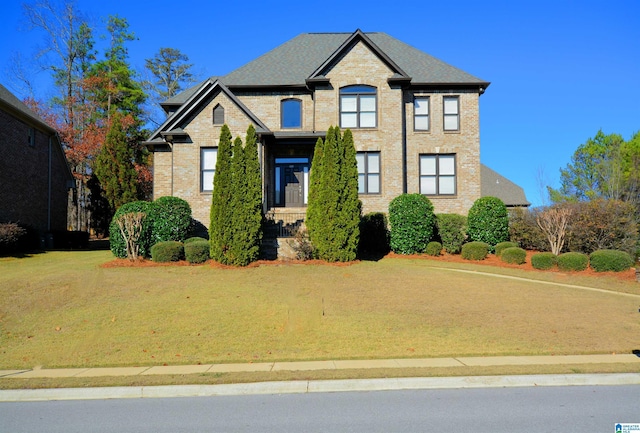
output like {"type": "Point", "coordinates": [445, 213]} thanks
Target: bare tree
{"type": "Point", "coordinates": [130, 225]}
{"type": "Point", "coordinates": [553, 222]}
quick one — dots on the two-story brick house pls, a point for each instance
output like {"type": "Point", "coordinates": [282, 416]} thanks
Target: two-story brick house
{"type": "Point", "coordinates": [415, 122]}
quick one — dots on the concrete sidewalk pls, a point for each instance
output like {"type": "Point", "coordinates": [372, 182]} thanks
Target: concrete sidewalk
{"type": "Point", "coordinates": [320, 365]}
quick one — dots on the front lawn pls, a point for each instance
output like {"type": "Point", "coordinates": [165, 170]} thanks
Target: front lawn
{"type": "Point", "coordinates": [62, 309]}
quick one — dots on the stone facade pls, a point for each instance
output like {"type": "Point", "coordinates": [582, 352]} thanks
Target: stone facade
{"type": "Point", "coordinates": [177, 168]}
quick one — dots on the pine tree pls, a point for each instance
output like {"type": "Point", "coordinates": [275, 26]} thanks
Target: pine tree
{"type": "Point", "coordinates": [114, 166]}
{"type": "Point", "coordinates": [323, 236]}
{"type": "Point", "coordinates": [220, 221]}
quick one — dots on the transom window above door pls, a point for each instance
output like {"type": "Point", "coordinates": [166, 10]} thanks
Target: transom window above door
{"type": "Point", "coordinates": [358, 107]}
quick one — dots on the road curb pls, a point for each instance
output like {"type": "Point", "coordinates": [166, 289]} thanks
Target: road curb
{"type": "Point", "coordinates": [303, 387]}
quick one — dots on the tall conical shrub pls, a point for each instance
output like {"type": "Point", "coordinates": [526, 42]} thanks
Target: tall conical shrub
{"type": "Point", "coordinates": [220, 226]}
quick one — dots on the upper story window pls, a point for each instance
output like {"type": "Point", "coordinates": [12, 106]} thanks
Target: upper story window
{"type": "Point", "coordinates": [218, 115]}
{"type": "Point", "coordinates": [291, 113]}
{"type": "Point", "coordinates": [421, 113]}
{"type": "Point", "coordinates": [451, 111]}
{"type": "Point", "coordinates": [358, 105]}
{"type": "Point", "coordinates": [438, 174]}
{"type": "Point", "coordinates": [208, 159]}
{"type": "Point", "coordinates": [368, 172]}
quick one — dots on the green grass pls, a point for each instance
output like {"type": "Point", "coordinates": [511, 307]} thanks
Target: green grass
{"type": "Point", "coordinates": [62, 309]}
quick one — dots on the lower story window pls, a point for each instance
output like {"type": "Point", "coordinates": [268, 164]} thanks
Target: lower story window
{"type": "Point", "coordinates": [368, 172]}
{"type": "Point", "coordinates": [438, 174]}
{"type": "Point", "coordinates": [208, 159]}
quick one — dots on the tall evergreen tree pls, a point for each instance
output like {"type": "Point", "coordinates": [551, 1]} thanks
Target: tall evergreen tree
{"type": "Point", "coordinates": [220, 216]}
{"type": "Point", "coordinates": [234, 255]}
{"type": "Point", "coordinates": [350, 206]}
{"type": "Point", "coordinates": [114, 166]}
{"type": "Point", "coordinates": [253, 197]}
{"type": "Point", "coordinates": [314, 211]}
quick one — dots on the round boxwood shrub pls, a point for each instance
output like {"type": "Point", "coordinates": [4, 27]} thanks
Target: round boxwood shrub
{"type": "Point", "coordinates": [475, 250]}
{"type": "Point", "coordinates": [196, 251]}
{"type": "Point", "coordinates": [610, 260]}
{"type": "Point", "coordinates": [116, 241]}
{"type": "Point", "coordinates": [513, 255]}
{"type": "Point", "coordinates": [167, 251]}
{"type": "Point", "coordinates": [434, 248]}
{"type": "Point", "coordinates": [412, 223]}
{"type": "Point", "coordinates": [194, 239]}
{"type": "Point", "coordinates": [573, 261]}
{"type": "Point", "coordinates": [543, 261]}
{"type": "Point", "coordinates": [171, 219]}
{"type": "Point", "coordinates": [488, 221]}
{"type": "Point", "coordinates": [503, 246]}
{"type": "Point", "coordinates": [452, 230]}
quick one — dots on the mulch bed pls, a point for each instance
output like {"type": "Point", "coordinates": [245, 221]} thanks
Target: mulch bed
{"type": "Point", "coordinates": [491, 260]}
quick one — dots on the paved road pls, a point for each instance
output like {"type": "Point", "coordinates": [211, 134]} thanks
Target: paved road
{"type": "Point", "coordinates": [495, 410]}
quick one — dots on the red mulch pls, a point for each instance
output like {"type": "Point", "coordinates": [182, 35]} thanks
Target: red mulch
{"type": "Point", "coordinates": [491, 260]}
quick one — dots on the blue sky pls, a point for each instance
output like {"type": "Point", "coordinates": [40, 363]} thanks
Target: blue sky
{"type": "Point", "coordinates": [559, 70]}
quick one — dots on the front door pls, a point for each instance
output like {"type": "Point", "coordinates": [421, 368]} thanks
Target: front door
{"type": "Point", "coordinates": [291, 182]}
{"type": "Point", "coordinates": [293, 185]}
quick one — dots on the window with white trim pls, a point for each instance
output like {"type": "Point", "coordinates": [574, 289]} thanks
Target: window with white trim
{"type": "Point", "coordinates": [358, 107]}
{"type": "Point", "coordinates": [368, 172]}
{"type": "Point", "coordinates": [208, 159]}
{"type": "Point", "coordinates": [438, 174]}
{"type": "Point", "coordinates": [451, 112]}
{"type": "Point", "coordinates": [421, 113]}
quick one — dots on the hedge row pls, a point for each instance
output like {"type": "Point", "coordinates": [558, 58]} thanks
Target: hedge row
{"type": "Point", "coordinates": [599, 261]}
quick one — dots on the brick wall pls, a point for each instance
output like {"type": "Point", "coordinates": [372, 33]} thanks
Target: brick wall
{"type": "Point", "coordinates": [24, 181]}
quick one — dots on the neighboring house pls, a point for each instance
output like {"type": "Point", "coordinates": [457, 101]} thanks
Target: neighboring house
{"type": "Point", "coordinates": [34, 175]}
{"type": "Point", "coordinates": [495, 185]}
{"type": "Point", "coordinates": [415, 123]}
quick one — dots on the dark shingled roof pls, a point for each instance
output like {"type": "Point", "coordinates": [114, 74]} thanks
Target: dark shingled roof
{"type": "Point", "coordinates": [291, 63]}
{"type": "Point", "coordinates": [493, 184]}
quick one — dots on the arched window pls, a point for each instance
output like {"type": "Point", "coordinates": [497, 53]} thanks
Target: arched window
{"type": "Point", "coordinates": [218, 115]}
{"type": "Point", "coordinates": [291, 113]}
{"type": "Point", "coordinates": [358, 106]}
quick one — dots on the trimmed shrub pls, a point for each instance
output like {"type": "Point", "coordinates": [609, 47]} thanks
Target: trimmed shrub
{"type": "Point", "coordinates": [524, 230]}
{"type": "Point", "coordinates": [194, 239]}
{"type": "Point", "coordinates": [10, 234]}
{"type": "Point", "coordinates": [488, 221]}
{"type": "Point", "coordinates": [603, 225]}
{"type": "Point", "coordinates": [374, 235]}
{"type": "Point", "coordinates": [610, 260]}
{"type": "Point", "coordinates": [573, 261]}
{"type": "Point", "coordinates": [412, 223]}
{"type": "Point", "coordinates": [170, 219]}
{"type": "Point", "coordinates": [434, 248]}
{"type": "Point", "coordinates": [167, 251]}
{"type": "Point", "coordinates": [503, 246]}
{"type": "Point", "coordinates": [196, 251]}
{"type": "Point", "coordinates": [543, 261]}
{"type": "Point", "coordinates": [514, 255]}
{"type": "Point", "coordinates": [117, 242]}
{"type": "Point", "coordinates": [475, 250]}
{"type": "Point", "coordinates": [452, 230]}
